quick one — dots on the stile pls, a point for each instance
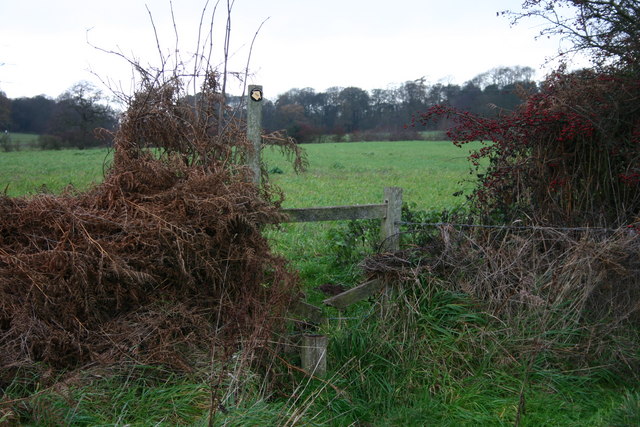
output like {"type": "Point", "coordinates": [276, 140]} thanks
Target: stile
{"type": "Point", "coordinates": [314, 347]}
{"type": "Point", "coordinates": [353, 295]}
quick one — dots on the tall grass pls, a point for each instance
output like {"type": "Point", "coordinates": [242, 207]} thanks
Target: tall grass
{"type": "Point", "coordinates": [434, 358]}
{"type": "Point", "coordinates": [431, 358]}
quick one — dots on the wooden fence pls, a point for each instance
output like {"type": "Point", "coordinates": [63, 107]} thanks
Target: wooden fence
{"type": "Point", "coordinates": [314, 346]}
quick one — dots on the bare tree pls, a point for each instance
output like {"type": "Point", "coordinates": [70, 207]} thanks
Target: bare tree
{"type": "Point", "coordinates": [608, 31]}
{"type": "Point", "coordinates": [79, 112]}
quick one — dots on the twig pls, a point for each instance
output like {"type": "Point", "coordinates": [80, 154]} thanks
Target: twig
{"type": "Point", "coordinates": [175, 31]}
{"type": "Point", "coordinates": [246, 71]}
{"type": "Point", "coordinates": [155, 33]}
{"type": "Point", "coordinates": [223, 101]}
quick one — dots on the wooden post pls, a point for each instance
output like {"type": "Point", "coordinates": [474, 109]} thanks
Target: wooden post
{"type": "Point", "coordinates": [391, 237]}
{"type": "Point", "coordinates": [314, 354]}
{"type": "Point", "coordinates": [254, 129]}
{"type": "Point", "coordinates": [390, 223]}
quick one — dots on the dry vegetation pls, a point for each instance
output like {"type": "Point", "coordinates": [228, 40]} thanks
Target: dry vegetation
{"type": "Point", "coordinates": [163, 260]}
{"type": "Point", "coordinates": [570, 295]}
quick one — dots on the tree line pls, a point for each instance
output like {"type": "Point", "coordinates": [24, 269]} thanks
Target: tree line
{"type": "Point", "coordinates": [70, 120]}
{"type": "Point", "coordinates": [308, 115]}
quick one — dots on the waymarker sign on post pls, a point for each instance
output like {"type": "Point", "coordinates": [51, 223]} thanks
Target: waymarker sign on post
{"type": "Point", "coordinates": [254, 129]}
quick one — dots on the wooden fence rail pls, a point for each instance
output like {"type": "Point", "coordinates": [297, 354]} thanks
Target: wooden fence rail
{"type": "Point", "coordinates": [390, 212]}
{"type": "Point", "coordinates": [336, 213]}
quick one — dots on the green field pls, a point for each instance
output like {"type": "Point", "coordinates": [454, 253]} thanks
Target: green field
{"type": "Point", "coordinates": [356, 173]}
{"type": "Point", "coordinates": [433, 363]}
{"type": "Point", "coordinates": [338, 174]}
{"type": "Point", "coordinates": [29, 172]}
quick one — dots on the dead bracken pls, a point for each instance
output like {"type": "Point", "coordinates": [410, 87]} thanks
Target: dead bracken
{"type": "Point", "coordinates": [165, 256]}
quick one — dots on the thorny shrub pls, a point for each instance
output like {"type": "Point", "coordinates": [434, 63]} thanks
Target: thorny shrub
{"type": "Point", "coordinates": [568, 155]}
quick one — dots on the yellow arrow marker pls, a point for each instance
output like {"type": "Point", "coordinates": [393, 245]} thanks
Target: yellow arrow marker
{"type": "Point", "coordinates": [256, 95]}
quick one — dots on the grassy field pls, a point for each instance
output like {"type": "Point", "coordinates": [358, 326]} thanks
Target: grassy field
{"type": "Point", "coordinates": [338, 174]}
{"type": "Point", "coordinates": [355, 173]}
{"type": "Point", "coordinates": [29, 172]}
{"type": "Point", "coordinates": [434, 361]}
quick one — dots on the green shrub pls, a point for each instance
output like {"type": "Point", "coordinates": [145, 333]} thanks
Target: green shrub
{"type": "Point", "coordinates": [351, 242]}
{"type": "Point", "coordinates": [50, 142]}
{"type": "Point", "coordinates": [6, 143]}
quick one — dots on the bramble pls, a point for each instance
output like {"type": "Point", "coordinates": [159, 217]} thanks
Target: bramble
{"type": "Point", "coordinates": [570, 154]}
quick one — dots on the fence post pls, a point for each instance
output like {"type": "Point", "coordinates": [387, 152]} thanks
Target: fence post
{"type": "Point", "coordinates": [390, 223]}
{"type": "Point", "coordinates": [254, 129]}
{"type": "Point", "coordinates": [314, 354]}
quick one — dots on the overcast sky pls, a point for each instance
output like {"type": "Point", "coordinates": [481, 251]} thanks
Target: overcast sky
{"type": "Point", "coordinates": [46, 45]}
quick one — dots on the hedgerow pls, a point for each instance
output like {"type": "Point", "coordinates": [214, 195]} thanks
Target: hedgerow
{"type": "Point", "coordinates": [568, 155]}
